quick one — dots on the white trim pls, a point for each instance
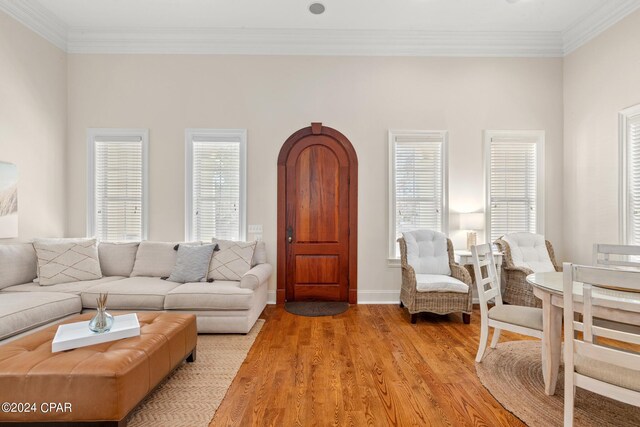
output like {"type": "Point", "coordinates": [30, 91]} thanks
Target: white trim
{"type": "Point", "coordinates": [245, 41]}
{"type": "Point", "coordinates": [92, 134]}
{"type": "Point", "coordinates": [390, 296]}
{"type": "Point", "coordinates": [623, 118]}
{"type": "Point", "coordinates": [594, 23]}
{"type": "Point", "coordinates": [540, 175]}
{"type": "Point", "coordinates": [392, 260]}
{"type": "Point", "coordinates": [189, 135]}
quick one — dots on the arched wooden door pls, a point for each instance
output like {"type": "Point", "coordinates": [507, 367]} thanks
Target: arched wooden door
{"type": "Point", "coordinates": [317, 217]}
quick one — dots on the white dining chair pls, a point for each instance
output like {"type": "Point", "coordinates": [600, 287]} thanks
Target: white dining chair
{"type": "Point", "coordinates": [515, 318]}
{"type": "Point", "coordinates": [605, 255]}
{"type": "Point", "coordinates": [603, 369]}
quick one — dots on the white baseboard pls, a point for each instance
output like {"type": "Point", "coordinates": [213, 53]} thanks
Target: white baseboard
{"type": "Point", "coordinates": [366, 297]}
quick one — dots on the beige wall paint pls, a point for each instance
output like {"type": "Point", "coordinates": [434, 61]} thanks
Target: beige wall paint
{"type": "Point", "coordinates": [33, 119]}
{"type": "Point", "coordinates": [274, 96]}
{"type": "Point", "coordinates": [600, 79]}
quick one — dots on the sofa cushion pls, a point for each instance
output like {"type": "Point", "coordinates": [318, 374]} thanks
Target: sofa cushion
{"type": "Point", "coordinates": [192, 264]}
{"type": "Point", "coordinates": [219, 295]}
{"type": "Point", "coordinates": [68, 287]}
{"type": "Point", "coordinates": [155, 259]}
{"type": "Point", "coordinates": [529, 250]}
{"type": "Point", "coordinates": [18, 264]}
{"type": "Point", "coordinates": [72, 260]}
{"type": "Point", "coordinates": [117, 259]}
{"type": "Point", "coordinates": [427, 252]}
{"type": "Point", "coordinates": [133, 293]}
{"type": "Point", "coordinates": [440, 283]}
{"type": "Point", "coordinates": [232, 260]}
{"type": "Point", "coordinates": [21, 311]}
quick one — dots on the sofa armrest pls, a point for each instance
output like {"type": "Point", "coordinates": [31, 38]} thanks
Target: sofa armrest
{"type": "Point", "coordinates": [256, 276]}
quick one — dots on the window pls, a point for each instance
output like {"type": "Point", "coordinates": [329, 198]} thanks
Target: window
{"type": "Point", "coordinates": [630, 177]}
{"type": "Point", "coordinates": [117, 177]}
{"type": "Point", "coordinates": [418, 183]}
{"type": "Point", "coordinates": [216, 184]}
{"type": "Point", "coordinates": [514, 182]}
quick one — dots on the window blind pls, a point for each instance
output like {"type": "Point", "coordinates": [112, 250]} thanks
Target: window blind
{"type": "Point", "coordinates": [419, 182]}
{"type": "Point", "coordinates": [216, 188]}
{"type": "Point", "coordinates": [513, 182]}
{"type": "Point", "coordinates": [633, 177]}
{"type": "Point", "coordinates": [118, 189]}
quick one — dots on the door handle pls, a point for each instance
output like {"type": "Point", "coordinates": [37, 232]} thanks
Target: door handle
{"type": "Point", "coordinates": [290, 234]}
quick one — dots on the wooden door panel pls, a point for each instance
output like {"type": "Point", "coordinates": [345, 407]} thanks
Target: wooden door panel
{"type": "Point", "coordinates": [317, 207]}
{"type": "Point", "coordinates": [317, 192]}
{"type": "Point", "coordinates": [317, 269]}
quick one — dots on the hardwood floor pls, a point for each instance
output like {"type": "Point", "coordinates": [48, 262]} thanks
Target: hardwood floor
{"type": "Point", "coordinates": [368, 366]}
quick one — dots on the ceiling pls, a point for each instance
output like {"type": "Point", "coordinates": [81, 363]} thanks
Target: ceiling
{"type": "Point", "coordinates": [348, 27]}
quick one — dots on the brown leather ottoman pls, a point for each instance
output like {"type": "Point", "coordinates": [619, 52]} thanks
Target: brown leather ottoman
{"type": "Point", "coordinates": [99, 384]}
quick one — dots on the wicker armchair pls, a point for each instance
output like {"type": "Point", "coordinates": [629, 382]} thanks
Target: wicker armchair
{"type": "Point", "coordinates": [517, 290]}
{"type": "Point", "coordinates": [434, 302]}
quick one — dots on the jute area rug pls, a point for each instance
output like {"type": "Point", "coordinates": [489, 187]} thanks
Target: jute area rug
{"type": "Point", "coordinates": [513, 375]}
{"type": "Point", "coordinates": [192, 394]}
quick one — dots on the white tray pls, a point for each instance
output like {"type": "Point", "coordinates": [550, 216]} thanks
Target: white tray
{"type": "Point", "coordinates": [75, 335]}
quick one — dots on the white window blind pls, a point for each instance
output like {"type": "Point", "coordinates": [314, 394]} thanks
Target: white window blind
{"type": "Point", "coordinates": [631, 139]}
{"type": "Point", "coordinates": [418, 183]}
{"type": "Point", "coordinates": [117, 162]}
{"type": "Point", "coordinates": [513, 182]}
{"type": "Point", "coordinates": [216, 184]}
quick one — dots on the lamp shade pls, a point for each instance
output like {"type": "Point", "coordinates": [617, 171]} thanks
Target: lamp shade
{"type": "Point", "coordinates": [472, 221]}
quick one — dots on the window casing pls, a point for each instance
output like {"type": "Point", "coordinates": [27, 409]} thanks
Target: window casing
{"type": "Point", "coordinates": [215, 184]}
{"type": "Point", "coordinates": [117, 184]}
{"type": "Point", "coordinates": [417, 184]}
{"type": "Point", "coordinates": [629, 135]}
{"type": "Point", "coordinates": [514, 183]}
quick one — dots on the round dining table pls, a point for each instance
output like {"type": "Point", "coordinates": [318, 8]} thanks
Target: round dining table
{"type": "Point", "coordinates": [548, 287]}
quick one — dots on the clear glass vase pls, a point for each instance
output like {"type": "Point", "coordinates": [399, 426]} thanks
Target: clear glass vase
{"type": "Point", "coordinates": [101, 322]}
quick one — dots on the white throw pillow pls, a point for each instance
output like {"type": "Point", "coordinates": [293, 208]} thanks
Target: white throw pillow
{"type": "Point", "coordinates": [427, 252]}
{"type": "Point", "coordinates": [232, 260]}
{"type": "Point", "coordinates": [62, 261]}
{"type": "Point", "coordinates": [117, 259]}
{"type": "Point", "coordinates": [529, 250]}
{"type": "Point", "coordinates": [155, 259]}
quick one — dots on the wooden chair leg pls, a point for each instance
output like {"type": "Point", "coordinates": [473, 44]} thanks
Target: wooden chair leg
{"type": "Point", "coordinates": [401, 304]}
{"type": "Point", "coordinates": [482, 346]}
{"type": "Point", "coordinates": [466, 318]}
{"type": "Point", "coordinates": [414, 318]}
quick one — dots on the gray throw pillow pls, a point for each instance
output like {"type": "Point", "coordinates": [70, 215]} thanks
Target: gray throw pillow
{"type": "Point", "coordinates": [192, 264]}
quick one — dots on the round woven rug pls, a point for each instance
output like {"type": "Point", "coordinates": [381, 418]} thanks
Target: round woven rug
{"type": "Point", "coordinates": [316, 308]}
{"type": "Point", "coordinates": [513, 375]}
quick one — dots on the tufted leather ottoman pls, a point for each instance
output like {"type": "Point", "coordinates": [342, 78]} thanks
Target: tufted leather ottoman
{"type": "Point", "coordinates": [99, 384]}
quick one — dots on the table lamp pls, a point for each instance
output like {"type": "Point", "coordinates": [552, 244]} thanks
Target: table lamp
{"type": "Point", "coordinates": [471, 222]}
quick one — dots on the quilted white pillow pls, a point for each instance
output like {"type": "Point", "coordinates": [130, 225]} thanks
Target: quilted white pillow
{"type": "Point", "coordinates": [427, 252]}
{"type": "Point", "coordinates": [232, 260]}
{"type": "Point", "coordinates": [62, 261]}
{"type": "Point", "coordinates": [529, 250]}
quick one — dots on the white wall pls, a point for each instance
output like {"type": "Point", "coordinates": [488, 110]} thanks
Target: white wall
{"type": "Point", "coordinates": [600, 79]}
{"type": "Point", "coordinates": [33, 102]}
{"type": "Point", "coordinates": [274, 96]}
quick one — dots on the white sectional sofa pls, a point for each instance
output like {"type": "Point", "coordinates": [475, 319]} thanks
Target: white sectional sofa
{"type": "Point", "coordinates": [132, 276]}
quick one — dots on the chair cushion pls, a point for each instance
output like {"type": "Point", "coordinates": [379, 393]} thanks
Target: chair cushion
{"type": "Point", "coordinates": [75, 288]}
{"type": "Point", "coordinates": [612, 374]}
{"type": "Point", "coordinates": [18, 264]}
{"type": "Point", "coordinates": [219, 295]}
{"type": "Point", "coordinates": [427, 252]}
{"type": "Point", "coordinates": [440, 283]}
{"type": "Point", "coordinates": [21, 311]}
{"type": "Point", "coordinates": [529, 317]}
{"type": "Point", "coordinates": [133, 293]}
{"type": "Point", "coordinates": [117, 259]}
{"type": "Point", "coordinates": [530, 251]}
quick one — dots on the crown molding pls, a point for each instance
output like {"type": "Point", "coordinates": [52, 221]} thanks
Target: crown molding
{"type": "Point", "coordinates": [242, 41]}
{"type": "Point", "coordinates": [313, 42]}
{"type": "Point", "coordinates": [38, 19]}
{"type": "Point", "coordinates": [595, 22]}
